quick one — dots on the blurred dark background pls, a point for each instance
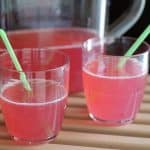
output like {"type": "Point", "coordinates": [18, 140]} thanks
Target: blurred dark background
{"type": "Point", "coordinates": [116, 10]}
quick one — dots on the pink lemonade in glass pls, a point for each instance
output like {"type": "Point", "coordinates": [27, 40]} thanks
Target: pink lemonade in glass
{"type": "Point", "coordinates": [33, 116]}
{"type": "Point", "coordinates": [113, 95]}
{"type": "Point", "coordinates": [69, 40]}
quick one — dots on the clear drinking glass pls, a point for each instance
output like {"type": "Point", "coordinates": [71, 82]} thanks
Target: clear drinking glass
{"type": "Point", "coordinates": [34, 117]}
{"type": "Point", "coordinates": [114, 94]}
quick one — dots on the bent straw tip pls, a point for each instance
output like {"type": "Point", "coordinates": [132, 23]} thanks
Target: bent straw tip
{"type": "Point", "coordinates": [2, 32]}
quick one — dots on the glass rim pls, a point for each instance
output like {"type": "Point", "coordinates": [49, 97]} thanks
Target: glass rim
{"type": "Point", "coordinates": [66, 63]}
{"type": "Point", "coordinates": [112, 39]}
{"type": "Point", "coordinates": [34, 103]}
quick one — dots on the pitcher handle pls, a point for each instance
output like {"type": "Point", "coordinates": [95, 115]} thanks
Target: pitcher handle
{"type": "Point", "coordinates": [126, 20]}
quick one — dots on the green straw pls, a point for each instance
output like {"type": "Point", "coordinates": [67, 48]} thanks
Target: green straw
{"type": "Point", "coordinates": [135, 46]}
{"type": "Point", "coordinates": [15, 60]}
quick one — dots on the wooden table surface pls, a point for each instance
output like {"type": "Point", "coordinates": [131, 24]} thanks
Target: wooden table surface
{"type": "Point", "coordinates": [79, 132]}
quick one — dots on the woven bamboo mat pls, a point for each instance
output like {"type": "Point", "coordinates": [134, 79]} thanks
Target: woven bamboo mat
{"type": "Point", "coordinates": [79, 132]}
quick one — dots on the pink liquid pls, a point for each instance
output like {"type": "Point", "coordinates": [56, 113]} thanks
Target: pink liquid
{"type": "Point", "coordinates": [113, 96]}
{"type": "Point", "coordinates": [69, 40]}
{"type": "Point", "coordinates": [35, 117]}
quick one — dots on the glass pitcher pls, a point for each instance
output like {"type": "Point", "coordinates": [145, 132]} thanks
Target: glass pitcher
{"type": "Point", "coordinates": [64, 24]}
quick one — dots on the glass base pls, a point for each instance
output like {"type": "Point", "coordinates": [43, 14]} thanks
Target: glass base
{"type": "Point", "coordinates": [33, 142]}
{"type": "Point", "coordinates": [110, 122]}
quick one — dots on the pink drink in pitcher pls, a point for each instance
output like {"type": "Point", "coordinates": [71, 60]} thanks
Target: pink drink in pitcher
{"type": "Point", "coordinates": [69, 40]}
